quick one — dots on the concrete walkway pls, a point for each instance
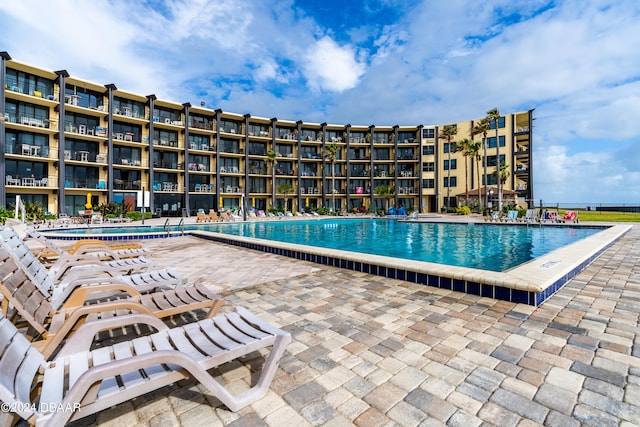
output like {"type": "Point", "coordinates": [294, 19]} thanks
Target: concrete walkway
{"type": "Point", "coordinates": [370, 351]}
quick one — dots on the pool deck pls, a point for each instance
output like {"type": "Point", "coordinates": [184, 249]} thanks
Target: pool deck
{"type": "Point", "coordinates": [373, 351]}
{"type": "Point", "coordinates": [530, 283]}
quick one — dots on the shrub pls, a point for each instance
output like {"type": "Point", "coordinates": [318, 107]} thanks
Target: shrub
{"type": "Point", "coordinates": [5, 214]}
{"type": "Point", "coordinates": [463, 210]}
{"type": "Point", "coordinates": [135, 215]}
{"type": "Point", "coordinates": [322, 211]}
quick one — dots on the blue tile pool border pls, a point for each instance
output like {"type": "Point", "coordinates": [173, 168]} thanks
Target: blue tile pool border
{"type": "Point", "coordinates": [432, 280]}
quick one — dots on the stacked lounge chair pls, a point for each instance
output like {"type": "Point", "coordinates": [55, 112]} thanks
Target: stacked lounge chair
{"type": "Point", "coordinates": [83, 380]}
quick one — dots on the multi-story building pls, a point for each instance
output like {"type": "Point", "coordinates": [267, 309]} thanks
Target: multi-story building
{"type": "Point", "coordinates": [65, 140]}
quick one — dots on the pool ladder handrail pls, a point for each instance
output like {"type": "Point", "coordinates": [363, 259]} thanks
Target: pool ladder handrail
{"type": "Point", "coordinates": [167, 226]}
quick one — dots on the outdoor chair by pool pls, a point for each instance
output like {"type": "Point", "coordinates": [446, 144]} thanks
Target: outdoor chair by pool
{"type": "Point", "coordinates": [512, 216]}
{"type": "Point", "coordinates": [549, 216]}
{"type": "Point", "coordinates": [86, 247]}
{"type": "Point", "coordinates": [530, 216]}
{"type": "Point", "coordinates": [53, 319]}
{"type": "Point", "coordinates": [201, 217]}
{"type": "Point", "coordinates": [82, 276]}
{"type": "Point", "coordinates": [493, 217]}
{"type": "Point", "coordinates": [87, 255]}
{"type": "Point", "coordinates": [88, 381]}
{"type": "Point", "coordinates": [213, 216]}
{"type": "Point", "coordinates": [570, 216]}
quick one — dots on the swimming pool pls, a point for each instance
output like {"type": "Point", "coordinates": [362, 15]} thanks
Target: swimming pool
{"type": "Point", "coordinates": [482, 246]}
{"type": "Point", "coordinates": [531, 270]}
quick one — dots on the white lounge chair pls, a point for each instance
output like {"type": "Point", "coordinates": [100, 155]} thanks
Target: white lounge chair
{"type": "Point", "coordinates": [84, 275]}
{"type": "Point", "coordinates": [530, 216]}
{"type": "Point", "coordinates": [54, 319]}
{"type": "Point", "coordinates": [84, 381]}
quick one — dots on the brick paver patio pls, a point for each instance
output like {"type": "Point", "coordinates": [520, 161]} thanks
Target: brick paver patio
{"type": "Point", "coordinates": [370, 351]}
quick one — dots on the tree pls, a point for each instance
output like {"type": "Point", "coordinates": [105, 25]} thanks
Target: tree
{"type": "Point", "coordinates": [493, 116]}
{"type": "Point", "coordinates": [272, 160]}
{"type": "Point", "coordinates": [482, 127]}
{"type": "Point", "coordinates": [331, 153]}
{"type": "Point", "coordinates": [466, 147]}
{"type": "Point", "coordinates": [386, 191]}
{"type": "Point", "coordinates": [285, 189]}
{"type": "Point", "coordinates": [473, 150]}
{"type": "Point", "coordinates": [504, 173]}
{"type": "Point", "coordinates": [448, 132]}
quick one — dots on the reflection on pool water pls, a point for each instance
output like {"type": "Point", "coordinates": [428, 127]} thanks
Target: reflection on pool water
{"type": "Point", "coordinates": [482, 246]}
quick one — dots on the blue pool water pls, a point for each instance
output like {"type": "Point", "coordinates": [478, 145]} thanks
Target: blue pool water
{"type": "Point", "coordinates": [483, 246]}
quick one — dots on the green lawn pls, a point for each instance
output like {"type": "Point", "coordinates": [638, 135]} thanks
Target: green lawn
{"type": "Point", "coordinates": [586, 216]}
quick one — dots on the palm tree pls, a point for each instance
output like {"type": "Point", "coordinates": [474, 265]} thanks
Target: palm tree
{"type": "Point", "coordinates": [482, 127]}
{"type": "Point", "coordinates": [503, 174]}
{"type": "Point", "coordinates": [493, 116]}
{"type": "Point", "coordinates": [448, 132]}
{"type": "Point", "coordinates": [464, 147]}
{"type": "Point", "coordinates": [285, 189]}
{"type": "Point", "coordinates": [330, 153]}
{"type": "Point", "coordinates": [473, 150]}
{"type": "Point", "coordinates": [272, 160]}
{"type": "Point", "coordinates": [386, 191]}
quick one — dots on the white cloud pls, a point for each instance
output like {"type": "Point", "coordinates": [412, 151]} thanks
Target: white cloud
{"type": "Point", "coordinates": [328, 66]}
{"type": "Point", "coordinates": [576, 63]}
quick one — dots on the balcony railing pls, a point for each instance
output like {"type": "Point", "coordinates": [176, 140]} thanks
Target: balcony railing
{"type": "Point", "coordinates": [31, 181]}
{"type": "Point", "coordinates": [202, 188]}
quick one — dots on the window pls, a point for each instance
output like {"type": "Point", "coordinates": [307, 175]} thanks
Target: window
{"type": "Point", "coordinates": [449, 147]}
{"type": "Point", "coordinates": [127, 129]}
{"type": "Point", "coordinates": [489, 180]}
{"type": "Point", "coordinates": [428, 167]}
{"type": "Point", "coordinates": [19, 81]}
{"type": "Point", "coordinates": [450, 164]}
{"type": "Point", "coordinates": [491, 141]}
{"type": "Point", "coordinates": [358, 137]}
{"type": "Point", "coordinates": [284, 150]}
{"type": "Point", "coordinates": [127, 107]}
{"type": "Point", "coordinates": [165, 159]}
{"type": "Point", "coordinates": [126, 156]}
{"type": "Point", "coordinates": [164, 115]}
{"type": "Point", "coordinates": [309, 135]}
{"type": "Point", "coordinates": [257, 185]}
{"type": "Point", "coordinates": [450, 182]}
{"type": "Point", "coordinates": [165, 137]}
{"type": "Point", "coordinates": [501, 123]}
{"type": "Point", "coordinates": [491, 160]}
{"type": "Point", "coordinates": [199, 122]}
{"type": "Point", "coordinates": [406, 137]}
{"type": "Point", "coordinates": [428, 133]}
{"type": "Point", "coordinates": [14, 141]}
{"type": "Point", "coordinates": [199, 142]}
{"type": "Point", "coordinates": [428, 150]}
{"type": "Point", "coordinates": [126, 179]}
{"type": "Point", "coordinates": [381, 154]}
{"type": "Point", "coordinates": [72, 122]}
{"type": "Point", "coordinates": [80, 177]}
{"type": "Point", "coordinates": [229, 126]}
{"type": "Point", "coordinates": [198, 163]}
{"type": "Point", "coordinates": [428, 183]}
{"type": "Point", "coordinates": [257, 149]}
{"type": "Point", "coordinates": [259, 130]}
{"type": "Point", "coordinates": [25, 169]}
{"type": "Point", "coordinates": [286, 133]}
{"type": "Point", "coordinates": [83, 97]}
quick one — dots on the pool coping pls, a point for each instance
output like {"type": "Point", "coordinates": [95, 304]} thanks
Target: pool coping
{"type": "Point", "coordinates": [530, 283]}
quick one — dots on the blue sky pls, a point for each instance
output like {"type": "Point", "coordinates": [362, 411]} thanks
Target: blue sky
{"type": "Point", "coordinates": [382, 62]}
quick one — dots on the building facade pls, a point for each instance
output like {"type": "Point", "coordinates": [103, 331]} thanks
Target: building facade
{"type": "Point", "coordinates": [64, 140]}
